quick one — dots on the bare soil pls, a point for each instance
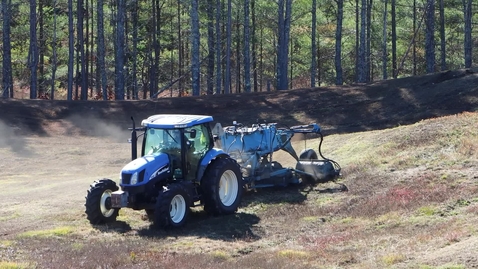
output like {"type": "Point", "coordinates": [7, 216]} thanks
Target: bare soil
{"type": "Point", "coordinates": [50, 151]}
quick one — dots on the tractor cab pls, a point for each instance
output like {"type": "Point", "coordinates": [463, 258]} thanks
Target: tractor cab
{"type": "Point", "coordinates": [184, 138]}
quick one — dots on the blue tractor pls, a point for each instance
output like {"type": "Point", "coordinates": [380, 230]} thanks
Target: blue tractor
{"type": "Point", "coordinates": [185, 162]}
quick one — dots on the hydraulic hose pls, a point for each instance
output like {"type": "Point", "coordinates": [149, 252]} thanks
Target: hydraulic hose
{"type": "Point", "coordinates": [334, 163]}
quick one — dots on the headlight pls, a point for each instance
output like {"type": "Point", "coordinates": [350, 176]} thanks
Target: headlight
{"type": "Point", "coordinates": [134, 178]}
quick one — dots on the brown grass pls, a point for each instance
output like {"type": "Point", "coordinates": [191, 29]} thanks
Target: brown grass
{"type": "Point", "coordinates": [412, 202]}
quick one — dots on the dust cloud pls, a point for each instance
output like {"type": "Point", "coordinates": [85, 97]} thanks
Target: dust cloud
{"type": "Point", "coordinates": [8, 139]}
{"type": "Point", "coordinates": [97, 127]}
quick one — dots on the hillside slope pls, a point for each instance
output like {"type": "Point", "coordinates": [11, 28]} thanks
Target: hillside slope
{"type": "Point", "coordinates": [408, 149]}
{"type": "Point", "coordinates": [350, 108]}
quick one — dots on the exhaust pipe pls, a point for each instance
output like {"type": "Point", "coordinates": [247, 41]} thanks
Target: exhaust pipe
{"type": "Point", "coordinates": [134, 141]}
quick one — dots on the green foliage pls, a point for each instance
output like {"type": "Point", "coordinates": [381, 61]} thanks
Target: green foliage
{"type": "Point", "coordinates": [59, 231]}
{"type": "Point", "coordinates": [173, 30]}
{"type": "Point", "coordinates": [14, 265]}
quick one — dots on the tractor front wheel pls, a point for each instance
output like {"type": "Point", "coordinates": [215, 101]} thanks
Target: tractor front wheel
{"type": "Point", "coordinates": [222, 187]}
{"type": "Point", "coordinates": [172, 207]}
{"type": "Point", "coordinates": [98, 202]}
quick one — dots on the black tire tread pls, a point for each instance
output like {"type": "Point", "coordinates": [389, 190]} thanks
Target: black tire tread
{"type": "Point", "coordinates": [210, 186]}
{"type": "Point", "coordinates": [93, 197]}
{"type": "Point", "coordinates": [162, 218]}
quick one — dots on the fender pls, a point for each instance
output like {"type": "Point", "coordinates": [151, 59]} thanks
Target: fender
{"type": "Point", "coordinates": [206, 160]}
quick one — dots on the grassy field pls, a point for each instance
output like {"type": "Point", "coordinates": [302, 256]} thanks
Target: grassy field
{"type": "Point", "coordinates": [412, 202]}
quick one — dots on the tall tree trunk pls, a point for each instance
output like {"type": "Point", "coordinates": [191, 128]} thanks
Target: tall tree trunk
{"type": "Point", "coordinates": [54, 58]}
{"type": "Point", "coordinates": [280, 45]}
{"type": "Point", "coordinates": [120, 48]}
{"type": "Point", "coordinates": [319, 63]}
{"type": "Point", "coordinates": [291, 64]}
{"type": "Point", "coordinates": [384, 42]}
{"type": "Point", "coordinates": [357, 39]}
{"type": "Point", "coordinates": [338, 43]}
{"type": "Point", "coordinates": [127, 53]}
{"type": "Point", "coordinates": [227, 77]}
{"type": "Point", "coordinates": [86, 19]}
{"type": "Point", "coordinates": [254, 46]}
{"type": "Point", "coordinates": [211, 48]}
{"type": "Point", "coordinates": [41, 49]}
{"type": "Point", "coordinates": [313, 61]}
{"type": "Point", "coordinates": [430, 36]}
{"type": "Point", "coordinates": [394, 40]}
{"type": "Point", "coordinates": [180, 50]}
{"type": "Point", "coordinates": [91, 73]}
{"type": "Point", "coordinates": [172, 76]}
{"type": "Point", "coordinates": [81, 47]}
{"type": "Point", "coordinates": [284, 12]}
{"type": "Point", "coordinates": [369, 43]}
{"type": "Point", "coordinates": [362, 77]}
{"type": "Point", "coordinates": [287, 23]}
{"type": "Point", "coordinates": [101, 51]}
{"type": "Point", "coordinates": [195, 38]}
{"type": "Point", "coordinates": [33, 50]}
{"type": "Point", "coordinates": [7, 78]}
{"type": "Point", "coordinates": [135, 18]}
{"type": "Point", "coordinates": [442, 36]}
{"type": "Point", "coordinates": [238, 83]}
{"type": "Point", "coordinates": [414, 31]}
{"type": "Point", "coordinates": [468, 42]}
{"type": "Point", "coordinates": [71, 50]}
{"type": "Point", "coordinates": [247, 60]}
{"type": "Point", "coordinates": [261, 59]}
{"type": "Point", "coordinates": [218, 48]}
{"type": "Point", "coordinates": [152, 50]}
{"type": "Point", "coordinates": [157, 47]}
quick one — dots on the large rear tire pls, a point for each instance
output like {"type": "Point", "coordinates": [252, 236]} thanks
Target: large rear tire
{"type": "Point", "coordinates": [172, 207]}
{"type": "Point", "coordinates": [98, 202]}
{"type": "Point", "coordinates": [222, 187]}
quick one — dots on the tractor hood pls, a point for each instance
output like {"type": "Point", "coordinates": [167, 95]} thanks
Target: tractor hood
{"type": "Point", "coordinates": [145, 169]}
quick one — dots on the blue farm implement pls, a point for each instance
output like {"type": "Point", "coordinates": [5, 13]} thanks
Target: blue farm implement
{"type": "Point", "coordinates": [185, 163]}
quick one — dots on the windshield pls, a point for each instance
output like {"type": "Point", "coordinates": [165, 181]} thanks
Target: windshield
{"type": "Point", "coordinates": [161, 140]}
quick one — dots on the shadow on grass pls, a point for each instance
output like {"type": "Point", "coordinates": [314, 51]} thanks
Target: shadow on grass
{"type": "Point", "coordinates": [242, 226]}
{"type": "Point", "coordinates": [293, 194]}
{"type": "Point", "coordinates": [114, 227]}
{"type": "Point", "coordinates": [239, 226]}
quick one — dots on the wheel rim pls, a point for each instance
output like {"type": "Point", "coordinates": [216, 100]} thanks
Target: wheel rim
{"type": "Point", "coordinates": [228, 188]}
{"type": "Point", "coordinates": [177, 209]}
{"type": "Point", "coordinates": [105, 204]}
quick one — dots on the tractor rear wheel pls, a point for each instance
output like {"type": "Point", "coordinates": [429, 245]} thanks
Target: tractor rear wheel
{"type": "Point", "coordinates": [222, 187]}
{"type": "Point", "coordinates": [98, 202]}
{"type": "Point", "coordinates": [172, 207]}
